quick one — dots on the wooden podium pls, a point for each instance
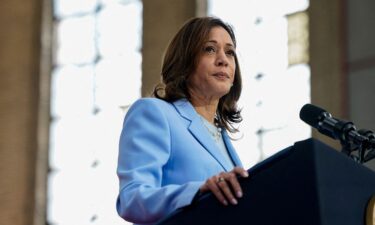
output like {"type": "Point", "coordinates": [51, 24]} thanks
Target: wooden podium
{"type": "Point", "coordinates": [305, 184]}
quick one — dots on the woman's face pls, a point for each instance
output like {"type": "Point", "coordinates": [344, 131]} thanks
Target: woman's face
{"type": "Point", "coordinates": [214, 74]}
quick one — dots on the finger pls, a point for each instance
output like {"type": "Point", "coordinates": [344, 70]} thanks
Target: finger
{"type": "Point", "coordinates": [240, 171]}
{"type": "Point", "coordinates": [214, 188]}
{"type": "Point", "coordinates": [232, 181]}
{"type": "Point", "coordinates": [204, 188]}
{"type": "Point", "coordinates": [227, 192]}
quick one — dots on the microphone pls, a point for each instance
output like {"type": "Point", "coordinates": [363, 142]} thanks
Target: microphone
{"type": "Point", "coordinates": [345, 131]}
{"type": "Point", "coordinates": [337, 129]}
{"type": "Point", "coordinates": [368, 133]}
{"type": "Point", "coordinates": [371, 136]}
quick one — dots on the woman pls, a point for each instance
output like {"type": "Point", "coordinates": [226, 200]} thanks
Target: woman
{"type": "Point", "coordinates": [175, 146]}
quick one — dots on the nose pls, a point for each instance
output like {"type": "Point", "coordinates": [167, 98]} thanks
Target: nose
{"type": "Point", "coordinates": [221, 59]}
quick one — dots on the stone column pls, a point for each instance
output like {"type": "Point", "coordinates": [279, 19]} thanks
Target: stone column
{"type": "Point", "coordinates": [327, 59]}
{"type": "Point", "coordinates": [20, 111]}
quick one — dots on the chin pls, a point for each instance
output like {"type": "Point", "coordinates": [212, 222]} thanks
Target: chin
{"type": "Point", "coordinates": [223, 92]}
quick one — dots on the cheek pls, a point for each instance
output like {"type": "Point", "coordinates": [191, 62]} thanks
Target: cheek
{"type": "Point", "coordinates": [233, 70]}
{"type": "Point", "coordinates": [202, 71]}
{"type": "Point", "coordinates": [203, 66]}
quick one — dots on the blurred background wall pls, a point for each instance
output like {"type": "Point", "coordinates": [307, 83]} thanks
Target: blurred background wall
{"type": "Point", "coordinates": [342, 61]}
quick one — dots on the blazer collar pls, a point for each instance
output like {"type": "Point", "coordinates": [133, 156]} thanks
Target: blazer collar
{"type": "Point", "coordinates": [197, 129]}
{"type": "Point", "coordinates": [231, 150]}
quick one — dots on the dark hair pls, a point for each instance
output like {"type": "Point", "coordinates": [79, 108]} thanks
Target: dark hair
{"type": "Point", "coordinates": [180, 61]}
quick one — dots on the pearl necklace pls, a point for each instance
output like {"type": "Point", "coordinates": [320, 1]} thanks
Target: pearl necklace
{"type": "Point", "coordinates": [215, 134]}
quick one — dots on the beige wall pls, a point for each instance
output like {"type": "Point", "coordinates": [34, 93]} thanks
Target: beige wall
{"type": "Point", "coordinates": [327, 59]}
{"type": "Point", "coordinates": [343, 61]}
{"type": "Point", "coordinates": [20, 24]}
{"type": "Point", "coordinates": [361, 64]}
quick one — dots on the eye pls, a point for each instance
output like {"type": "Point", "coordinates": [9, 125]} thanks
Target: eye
{"type": "Point", "coordinates": [209, 49]}
{"type": "Point", "coordinates": [231, 52]}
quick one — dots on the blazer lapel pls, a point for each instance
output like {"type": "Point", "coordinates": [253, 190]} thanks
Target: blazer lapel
{"type": "Point", "coordinates": [200, 133]}
{"type": "Point", "coordinates": [231, 150]}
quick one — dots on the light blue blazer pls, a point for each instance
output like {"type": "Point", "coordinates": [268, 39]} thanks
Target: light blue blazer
{"type": "Point", "coordinates": [165, 155]}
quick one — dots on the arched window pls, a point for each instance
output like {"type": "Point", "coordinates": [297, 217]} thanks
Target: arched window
{"type": "Point", "coordinates": [96, 75]}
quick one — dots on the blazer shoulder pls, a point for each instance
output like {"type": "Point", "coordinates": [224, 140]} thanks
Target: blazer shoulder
{"type": "Point", "coordinates": [150, 103]}
{"type": "Point", "coordinates": [149, 107]}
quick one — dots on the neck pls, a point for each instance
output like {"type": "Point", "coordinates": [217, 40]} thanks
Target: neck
{"type": "Point", "coordinates": [205, 107]}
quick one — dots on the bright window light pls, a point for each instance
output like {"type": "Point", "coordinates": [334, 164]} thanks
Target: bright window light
{"type": "Point", "coordinates": [96, 76]}
{"type": "Point", "coordinates": [273, 90]}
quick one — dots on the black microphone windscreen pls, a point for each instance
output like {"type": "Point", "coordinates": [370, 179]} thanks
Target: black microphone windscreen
{"type": "Point", "coordinates": [311, 114]}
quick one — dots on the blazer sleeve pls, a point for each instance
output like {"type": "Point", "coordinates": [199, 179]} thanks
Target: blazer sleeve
{"type": "Point", "coordinates": [144, 149]}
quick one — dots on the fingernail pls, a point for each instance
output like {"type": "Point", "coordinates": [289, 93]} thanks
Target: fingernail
{"type": "Point", "coordinates": [246, 174]}
{"type": "Point", "coordinates": [239, 194]}
{"type": "Point", "coordinates": [234, 201]}
{"type": "Point", "coordinates": [225, 202]}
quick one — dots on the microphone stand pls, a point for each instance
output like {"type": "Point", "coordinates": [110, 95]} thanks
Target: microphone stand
{"type": "Point", "coordinates": [370, 155]}
{"type": "Point", "coordinates": [342, 129]}
{"type": "Point", "coordinates": [362, 141]}
{"type": "Point", "coordinates": [348, 148]}
{"type": "Point", "coordinates": [370, 145]}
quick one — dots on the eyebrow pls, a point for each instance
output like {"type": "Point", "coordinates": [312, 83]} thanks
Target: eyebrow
{"type": "Point", "coordinates": [227, 44]}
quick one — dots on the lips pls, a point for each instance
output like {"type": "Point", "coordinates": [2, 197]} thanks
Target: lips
{"type": "Point", "coordinates": [221, 75]}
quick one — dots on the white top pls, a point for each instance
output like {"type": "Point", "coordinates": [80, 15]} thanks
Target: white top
{"type": "Point", "coordinates": [215, 133]}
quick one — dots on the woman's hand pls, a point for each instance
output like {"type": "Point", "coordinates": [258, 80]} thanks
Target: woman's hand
{"type": "Point", "coordinates": [225, 185]}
